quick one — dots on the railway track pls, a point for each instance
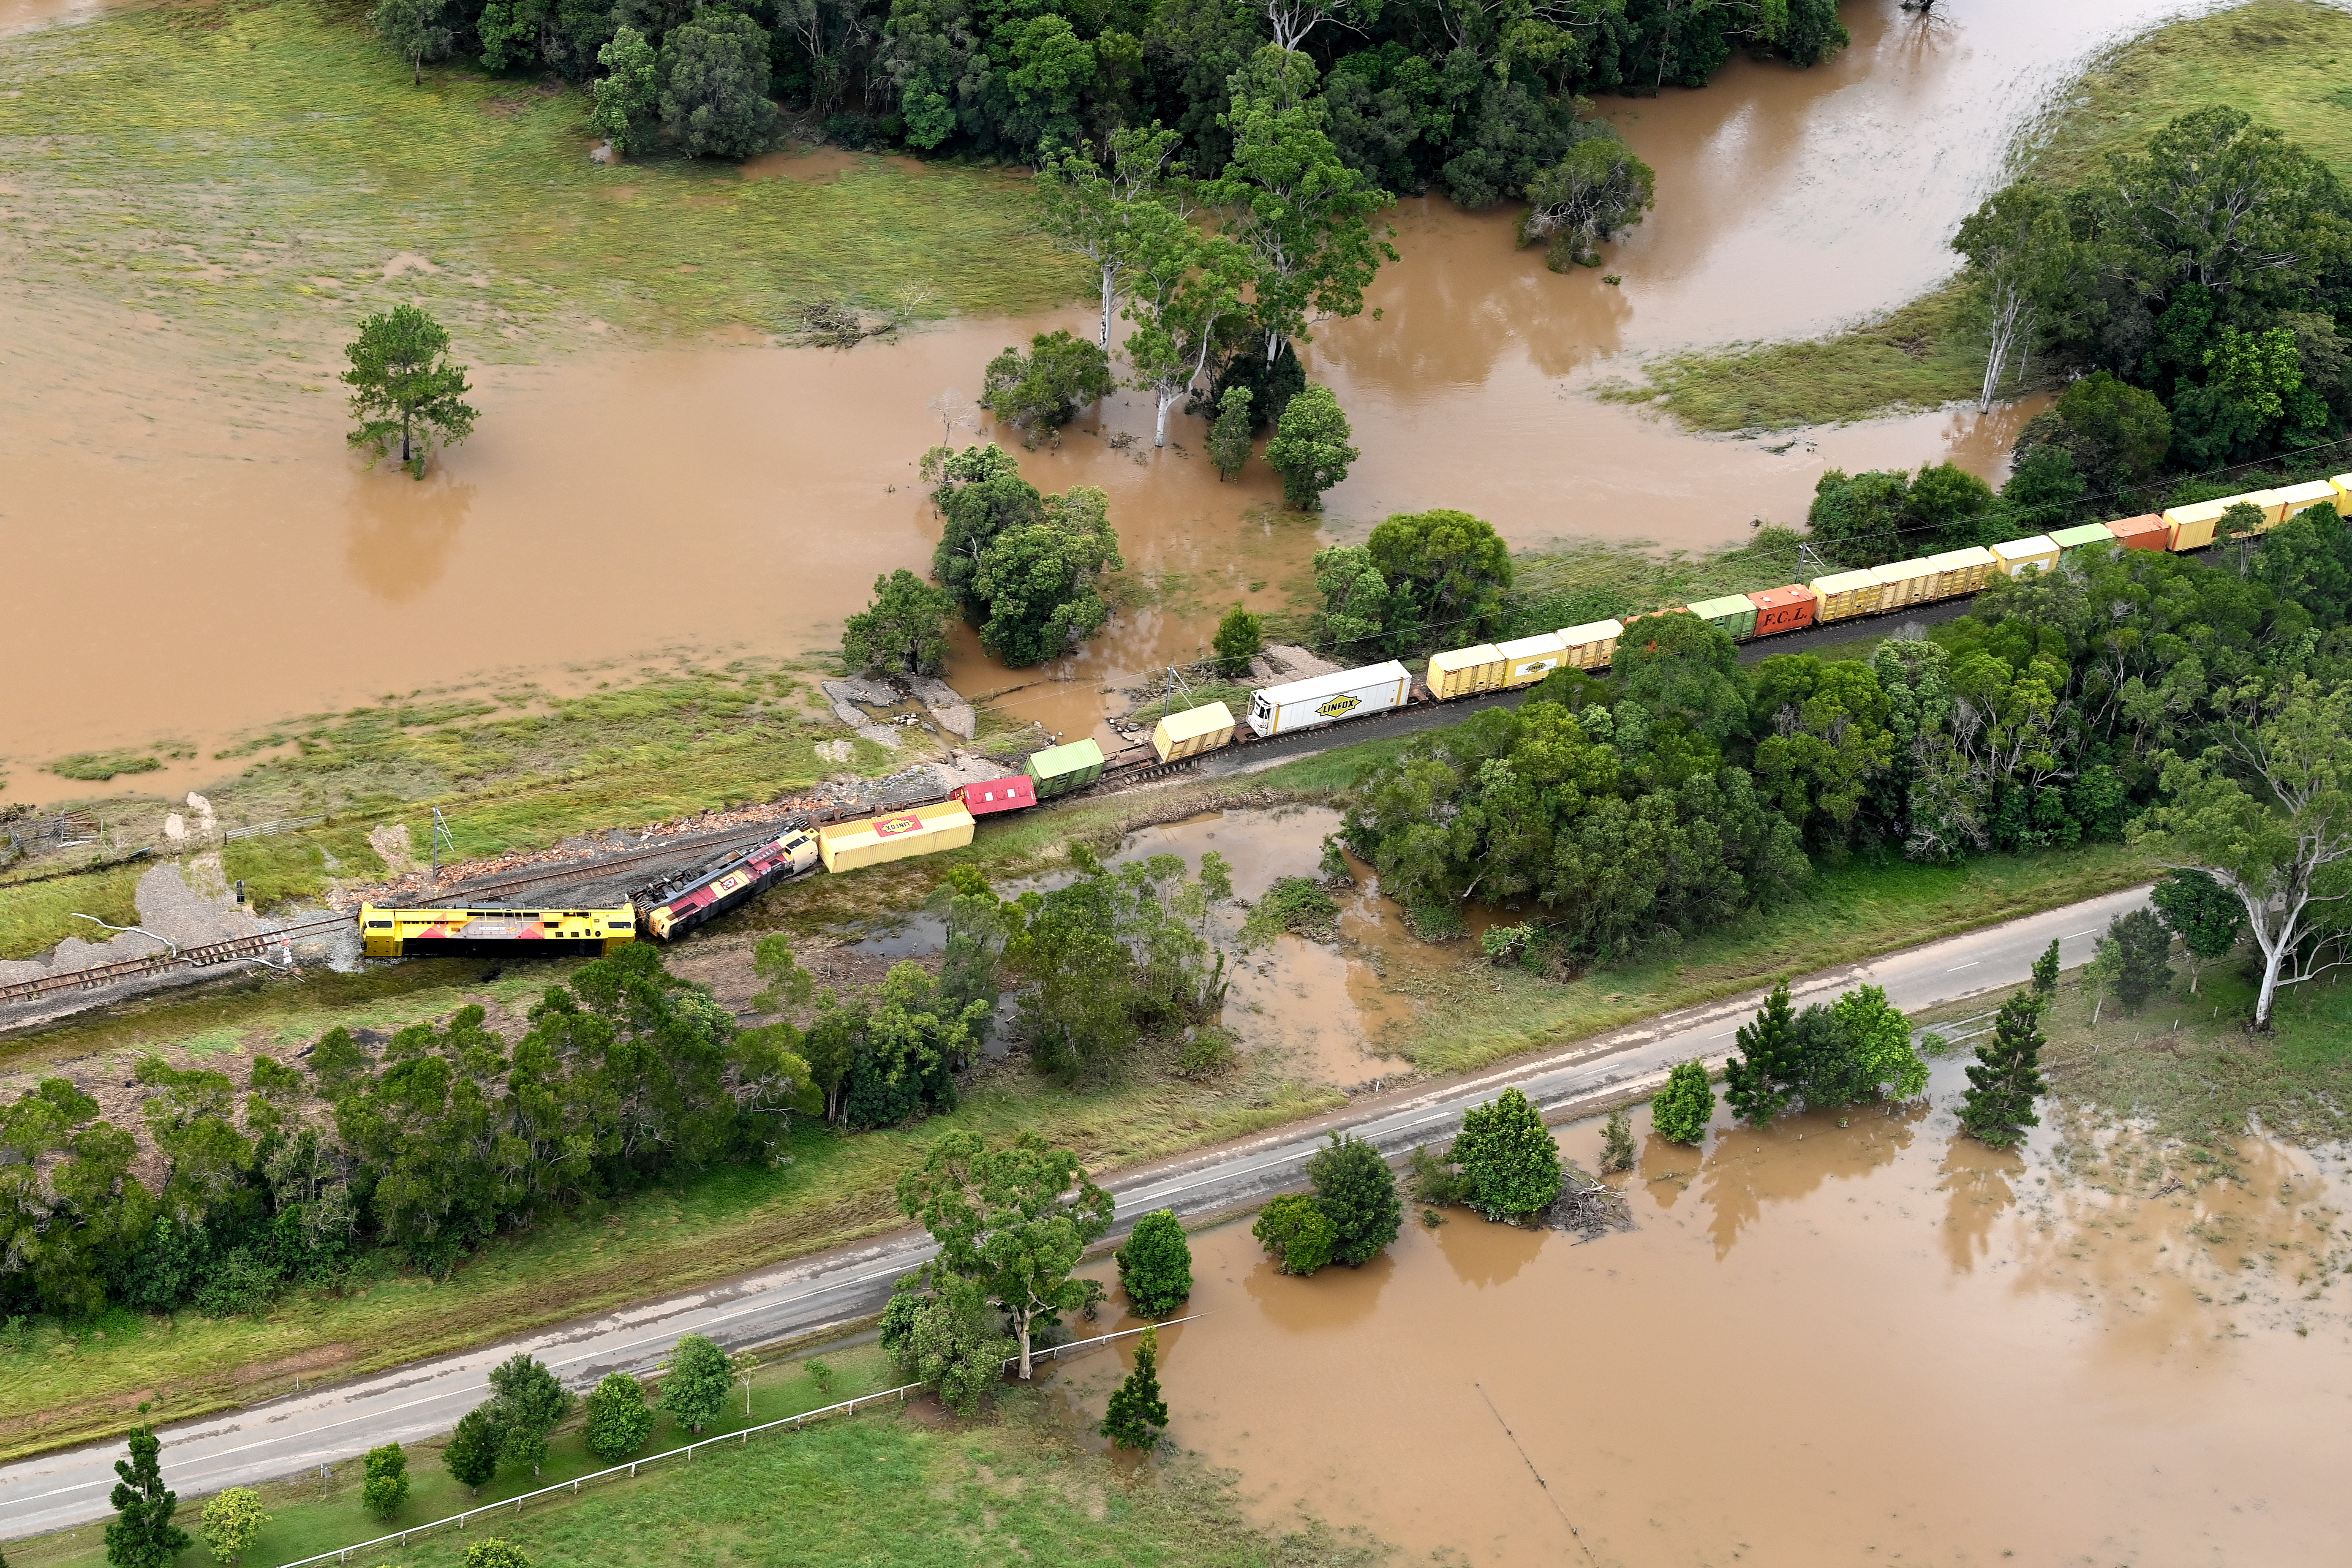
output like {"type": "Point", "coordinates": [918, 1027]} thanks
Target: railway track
{"type": "Point", "coordinates": [233, 951]}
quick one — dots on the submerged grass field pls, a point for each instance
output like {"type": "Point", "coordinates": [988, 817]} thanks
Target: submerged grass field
{"type": "Point", "coordinates": [264, 169]}
{"type": "Point", "coordinates": [2282, 61]}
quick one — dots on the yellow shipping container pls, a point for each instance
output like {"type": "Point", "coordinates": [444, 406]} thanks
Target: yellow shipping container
{"type": "Point", "coordinates": [1904, 583]}
{"type": "Point", "coordinates": [2015, 555]}
{"type": "Point", "coordinates": [1961, 570]}
{"type": "Point", "coordinates": [1527, 660]}
{"type": "Point", "coordinates": [2294, 498]}
{"type": "Point", "coordinates": [2342, 485]}
{"type": "Point", "coordinates": [1592, 644]}
{"type": "Point", "coordinates": [1464, 671]}
{"type": "Point", "coordinates": [1192, 731]}
{"type": "Point", "coordinates": [1845, 594]}
{"type": "Point", "coordinates": [900, 834]}
{"type": "Point", "coordinates": [2192, 526]}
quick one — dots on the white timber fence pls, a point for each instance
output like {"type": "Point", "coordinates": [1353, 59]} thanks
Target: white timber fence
{"type": "Point", "coordinates": [571, 1487]}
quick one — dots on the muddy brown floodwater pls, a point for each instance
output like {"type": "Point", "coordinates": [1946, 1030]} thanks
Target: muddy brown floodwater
{"type": "Point", "coordinates": [209, 559]}
{"type": "Point", "coordinates": [1327, 1008]}
{"type": "Point", "coordinates": [1875, 1342]}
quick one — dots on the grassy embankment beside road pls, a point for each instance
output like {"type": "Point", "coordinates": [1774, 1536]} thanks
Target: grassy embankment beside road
{"type": "Point", "coordinates": [243, 165]}
{"type": "Point", "coordinates": [886, 1485]}
{"type": "Point", "coordinates": [2184, 1068]}
{"type": "Point", "coordinates": [2282, 61]}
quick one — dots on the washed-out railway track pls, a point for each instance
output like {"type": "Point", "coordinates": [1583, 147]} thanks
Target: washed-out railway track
{"type": "Point", "coordinates": [236, 950]}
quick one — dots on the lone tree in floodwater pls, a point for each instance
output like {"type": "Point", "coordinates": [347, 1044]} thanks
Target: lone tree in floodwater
{"type": "Point", "coordinates": [2007, 1074]}
{"type": "Point", "coordinates": [403, 385]}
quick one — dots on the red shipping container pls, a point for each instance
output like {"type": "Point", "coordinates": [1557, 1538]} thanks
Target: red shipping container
{"type": "Point", "coordinates": [2145, 532]}
{"type": "Point", "coordinates": [997, 794]}
{"type": "Point", "coordinates": [1783, 609]}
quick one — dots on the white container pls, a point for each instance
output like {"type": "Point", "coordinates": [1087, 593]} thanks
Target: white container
{"type": "Point", "coordinates": [1529, 659]}
{"type": "Point", "coordinates": [2016, 554]}
{"type": "Point", "coordinates": [1342, 694]}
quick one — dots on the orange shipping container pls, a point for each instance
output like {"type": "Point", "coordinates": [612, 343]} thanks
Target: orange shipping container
{"type": "Point", "coordinates": [2146, 532]}
{"type": "Point", "coordinates": [1783, 609]}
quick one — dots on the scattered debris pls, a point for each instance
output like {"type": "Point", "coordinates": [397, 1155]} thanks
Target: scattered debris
{"type": "Point", "coordinates": [1587, 1205]}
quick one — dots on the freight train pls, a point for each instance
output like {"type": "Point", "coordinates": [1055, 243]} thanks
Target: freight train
{"type": "Point", "coordinates": [668, 910]}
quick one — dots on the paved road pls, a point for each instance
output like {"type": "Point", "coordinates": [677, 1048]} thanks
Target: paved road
{"type": "Point", "coordinates": [342, 1421]}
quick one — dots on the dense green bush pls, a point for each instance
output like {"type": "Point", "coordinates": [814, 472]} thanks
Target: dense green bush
{"type": "Point", "coordinates": [1155, 1265]}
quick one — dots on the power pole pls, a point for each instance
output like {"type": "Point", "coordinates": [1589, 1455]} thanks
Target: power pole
{"type": "Point", "coordinates": [441, 836]}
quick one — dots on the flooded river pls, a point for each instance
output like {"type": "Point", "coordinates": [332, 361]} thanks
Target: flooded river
{"type": "Point", "coordinates": [208, 558]}
{"type": "Point", "coordinates": [1875, 1342]}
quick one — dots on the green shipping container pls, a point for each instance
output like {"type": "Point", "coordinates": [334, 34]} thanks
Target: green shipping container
{"type": "Point", "coordinates": [2070, 540]}
{"type": "Point", "coordinates": [1061, 769]}
{"type": "Point", "coordinates": [1734, 613]}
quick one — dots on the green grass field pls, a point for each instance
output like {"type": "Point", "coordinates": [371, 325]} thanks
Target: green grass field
{"type": "Point", "coordinates": [893, 1485]}
{"type": "Point", "coordinates": [264, 169]}
{"type": "Point", "coordinates": [2282, 61]}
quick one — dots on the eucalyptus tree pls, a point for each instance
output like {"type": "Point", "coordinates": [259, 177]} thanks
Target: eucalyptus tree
{"type": "Point", "coordinates": [1117, 212]}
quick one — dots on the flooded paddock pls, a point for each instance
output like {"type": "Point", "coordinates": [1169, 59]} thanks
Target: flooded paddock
{"type": "Point", "coordinates": [1875, 1342]}
{"type": "Point", "coordinates": [210, 558]}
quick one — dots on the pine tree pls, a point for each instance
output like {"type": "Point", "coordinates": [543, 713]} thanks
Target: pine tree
{"type": "Point", "coordinates": [2045, 973]}
{"type": "Point", "coordinates": [1155, 1267]}
{"type": "Point", "coordinates": [1357, 1192]}
{"type": "Point", "coordinates": [1681, 1110]}
{"type": "Point", "coordinates": [141, 1534]}
{"type": "Point", "coordinates": [2006, 1075]}
{"type": "Point", "coordinates": [1137, 1415]}
{"type": "Point", "coordinates": [1757, 1081]}
{"type": "Point", "coordinates": [472, 1455]}
{"type": "Point", "coordinates": [1507, 1155]}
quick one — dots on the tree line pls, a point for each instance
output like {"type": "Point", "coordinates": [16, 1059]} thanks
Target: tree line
{"type": "Point", "coordinates": [627, 1077]}
{"type": "Point", "coordinates": [2127, 693]}
{"type": "Point", "coordinates": [1477, 98]}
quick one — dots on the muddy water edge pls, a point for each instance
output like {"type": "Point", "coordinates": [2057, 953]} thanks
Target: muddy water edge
{"type": "Point", "coordinates": [213, 561]}
{"type": "Point", "coordinates": [1841, 1340]}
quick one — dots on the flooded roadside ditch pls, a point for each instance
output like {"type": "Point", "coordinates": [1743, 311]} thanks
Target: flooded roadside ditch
{"type": "Point", "coordinates": [194, 500]}
{"type": "Point", "coordinates": [1843, 1339]}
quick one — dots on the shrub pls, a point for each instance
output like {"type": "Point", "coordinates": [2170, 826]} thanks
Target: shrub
{"type": "Point", "coordinates": [1617, 1141]}
{"type": "Point", "coordinates": [618, 1419]}
{"type": "Point", "coordinates": [1508, 1156]}
{"type": "Point", "coordinates": [494, 1552]}
{"type": "Point", "coordinates": [1155, 1267]}
{"type": "Point", "coordinates": [1358, 1194]}
{"type": "Point", "coordinates": [1295, 1233]}
{"type": "Point", "coordinates": [1295, 904]}
{"type": "Point", "coordinates": [1208, 1053]}
{"type": "Point", "coordinates": [1434, 1180]}
{"type": "Point", "coordinates": [232, 1520]}
{"type": "Point", "coordinates": [1683, 1109]}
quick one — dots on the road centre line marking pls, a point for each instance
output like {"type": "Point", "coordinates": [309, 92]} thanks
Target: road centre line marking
{"type": "Point", "coordinates": [1971, 963]}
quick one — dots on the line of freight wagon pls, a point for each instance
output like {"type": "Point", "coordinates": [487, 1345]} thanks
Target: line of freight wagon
{"type": "Point", "coordinates": [669, 910]}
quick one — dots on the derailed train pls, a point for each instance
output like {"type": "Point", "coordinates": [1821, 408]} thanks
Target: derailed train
{"type": "Point", "coordinates": [670, 909]}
